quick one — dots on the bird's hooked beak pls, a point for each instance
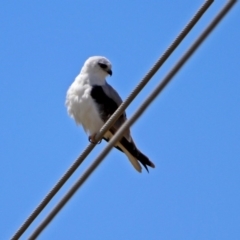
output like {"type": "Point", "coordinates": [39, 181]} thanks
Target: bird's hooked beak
{"type": "Point", "coordinates": [109, 71]}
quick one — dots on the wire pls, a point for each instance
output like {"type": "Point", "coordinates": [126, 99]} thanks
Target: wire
{"type": "Point", "coordinates": [135, 116]}
{"type": "Point", "coordinates": [113, 119]}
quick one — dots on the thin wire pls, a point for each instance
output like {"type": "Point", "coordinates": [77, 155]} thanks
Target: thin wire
{"type": "Point", "coordinates": [113, 119]}
{"type": "Point", "coordinates": [135, 116]}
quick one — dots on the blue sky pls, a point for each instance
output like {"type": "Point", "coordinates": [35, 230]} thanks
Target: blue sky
{"type": "Point", "coordinates": [191, 132]}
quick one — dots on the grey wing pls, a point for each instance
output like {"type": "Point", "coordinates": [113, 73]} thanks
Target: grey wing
{"type": "Point", "coordinates": [112, 93]}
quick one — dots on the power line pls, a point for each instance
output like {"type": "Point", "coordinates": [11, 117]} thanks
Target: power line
{"type": "Point", "coordinates": [135, 116]}
{"type": "Point", "coordinates": [113, 119]}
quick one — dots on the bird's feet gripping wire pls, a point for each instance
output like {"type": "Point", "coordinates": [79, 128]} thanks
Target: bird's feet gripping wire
{"type": "Point", "coordinates": [92, 139]}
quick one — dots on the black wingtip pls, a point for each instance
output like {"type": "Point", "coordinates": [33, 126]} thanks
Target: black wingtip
{"type": "Point", "coordinates": [145, 161]}
{"type": "Point", "coordinates": [146, 167]}
{"type": "Point", "coordinates": [152, 165]}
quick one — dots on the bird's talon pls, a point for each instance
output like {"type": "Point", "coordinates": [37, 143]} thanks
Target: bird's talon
{"type": "Point", "coordinates": [93, 141]}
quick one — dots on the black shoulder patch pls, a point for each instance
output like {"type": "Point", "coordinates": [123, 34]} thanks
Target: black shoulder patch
{"type": "Point", "coordinates": [106, 105]}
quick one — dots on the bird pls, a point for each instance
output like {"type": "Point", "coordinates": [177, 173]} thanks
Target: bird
{"type": "Point", "coordinates": [91, 101]}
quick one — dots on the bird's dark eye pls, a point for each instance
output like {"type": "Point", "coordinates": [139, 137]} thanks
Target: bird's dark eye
{"type": "Point", "coordinates": [102, 65]}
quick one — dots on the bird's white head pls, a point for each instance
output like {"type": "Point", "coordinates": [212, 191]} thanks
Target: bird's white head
{"type": "Point", "coordinates": [97, 67]}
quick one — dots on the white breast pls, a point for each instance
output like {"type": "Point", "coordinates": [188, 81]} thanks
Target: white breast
{"type": "Point", "coordinates": [82, 108]}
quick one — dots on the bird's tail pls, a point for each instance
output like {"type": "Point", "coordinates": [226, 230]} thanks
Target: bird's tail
{"type": "Point", "coordinates": [131, 158]}
{"type": "Point", "coordinates": [135, 153]}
